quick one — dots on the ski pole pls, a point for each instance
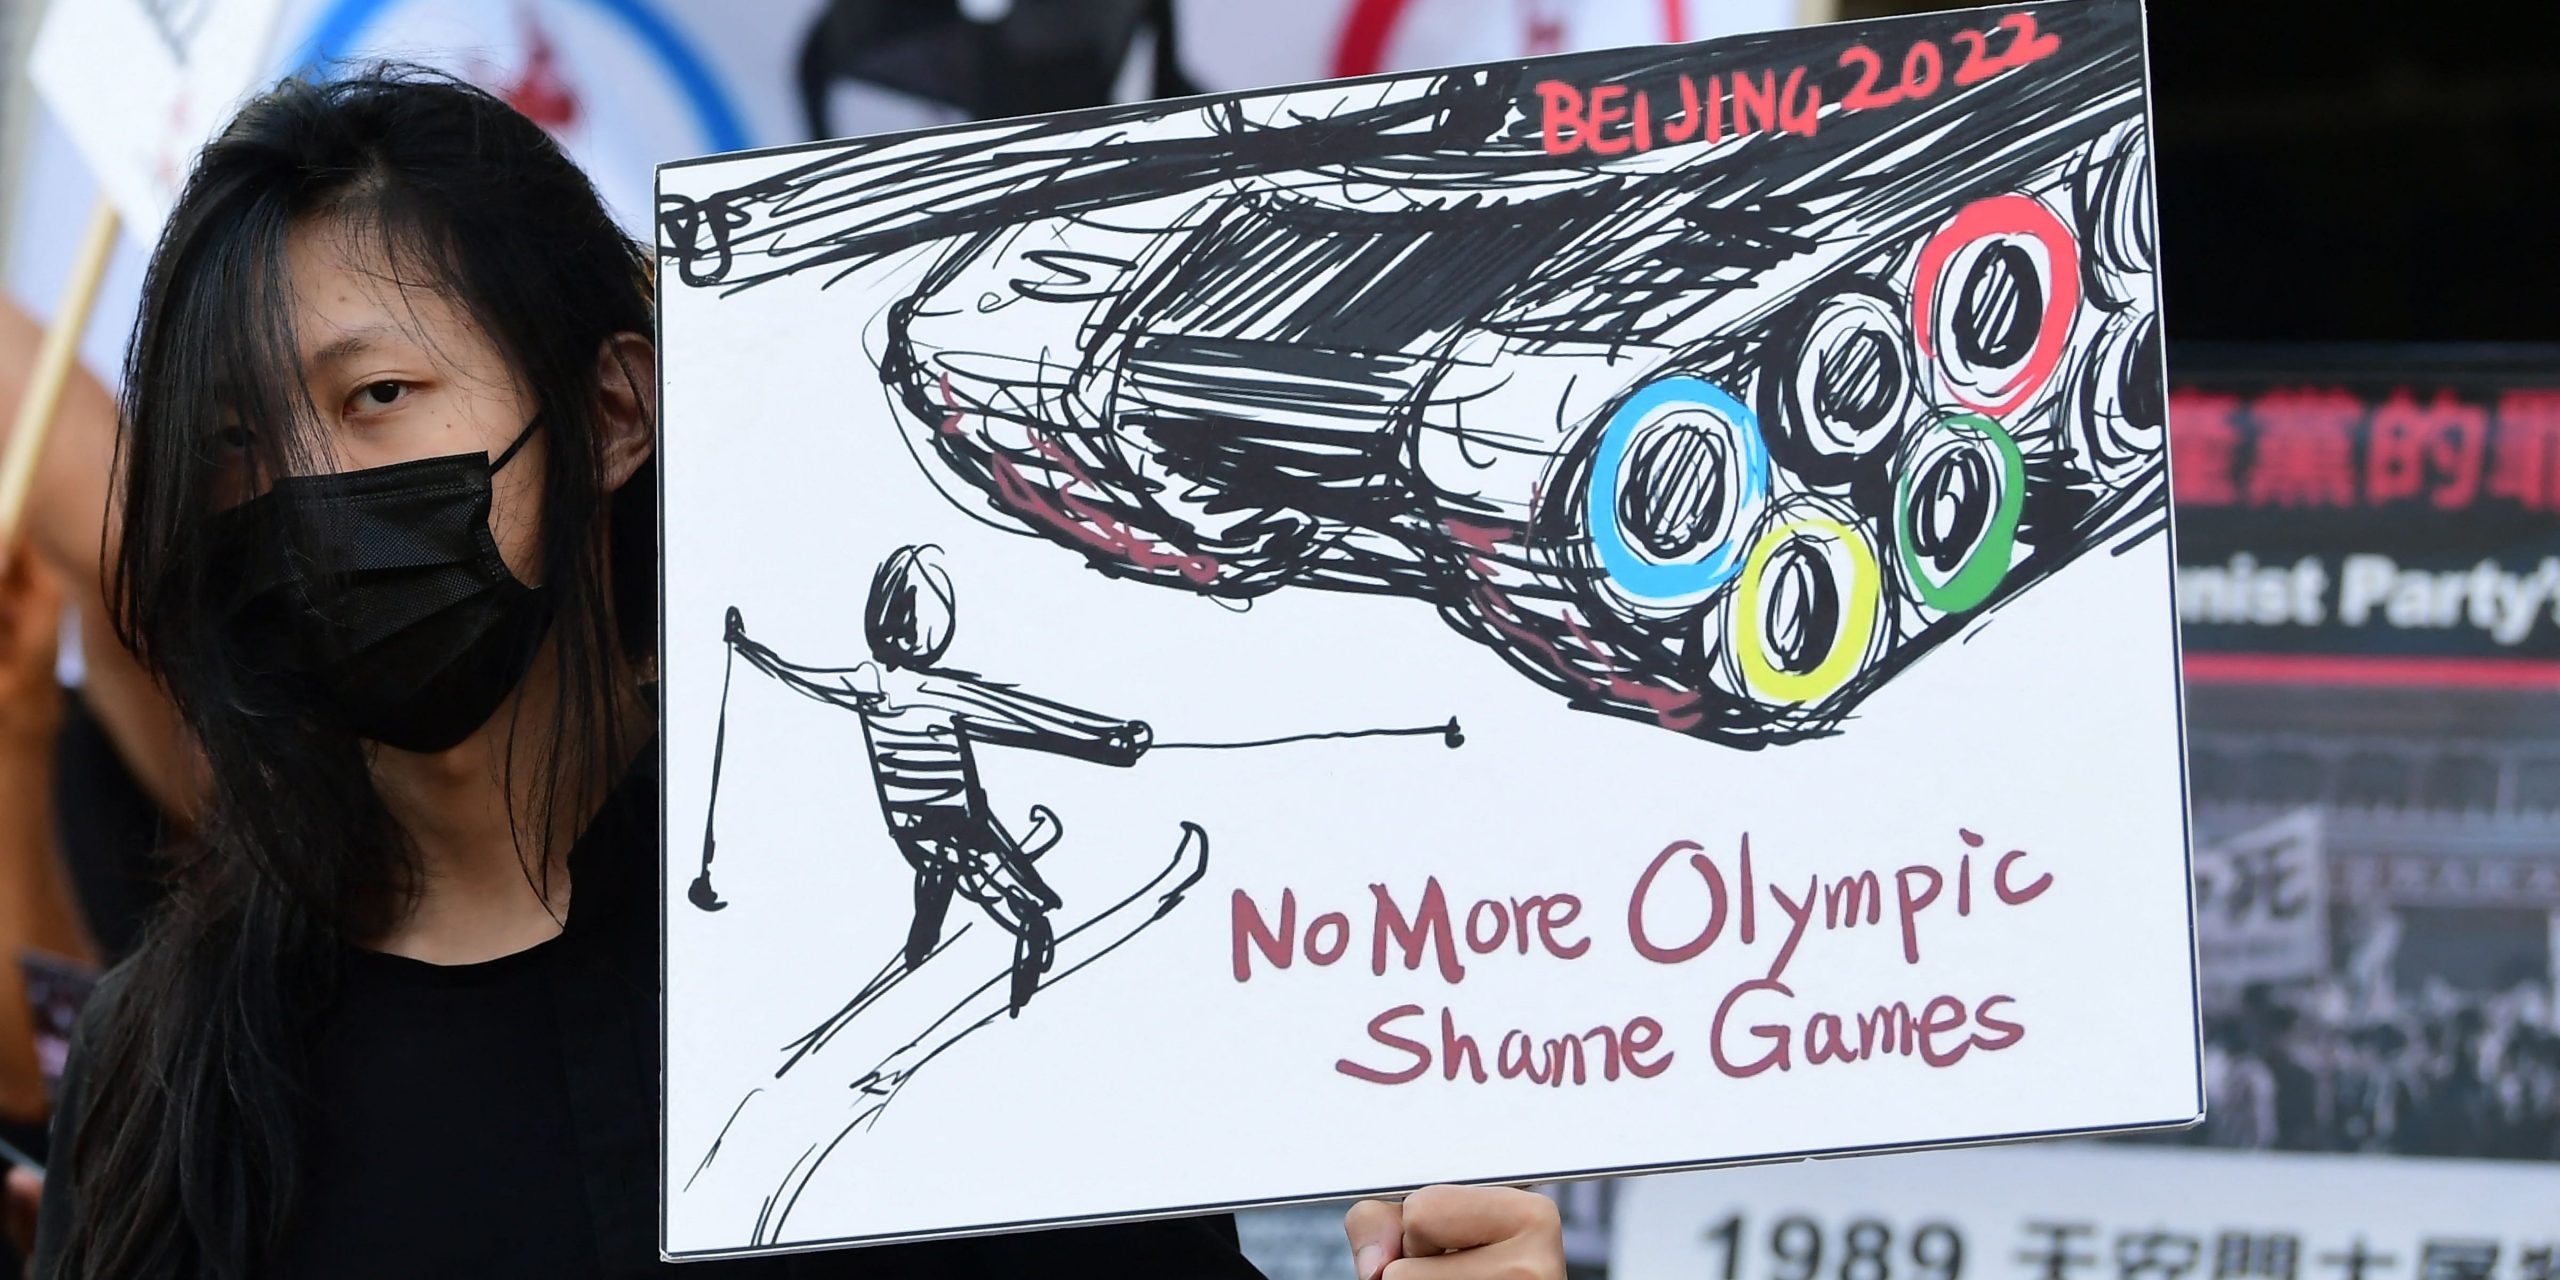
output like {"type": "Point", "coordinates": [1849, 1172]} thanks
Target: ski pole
{"type": "Point", "coordinates": [1450, 736]}
{"type": "Point", "coordinates": [702, 894]}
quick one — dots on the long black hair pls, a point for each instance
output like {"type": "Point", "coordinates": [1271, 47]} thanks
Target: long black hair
{"type": "Point", "coordinates": [185, 1161]}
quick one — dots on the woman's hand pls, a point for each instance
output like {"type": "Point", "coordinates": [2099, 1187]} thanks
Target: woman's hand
{"type": "Point", "coordinates": [1457, 1233]}
{"type": "Point", "coordinates": [30, 619]}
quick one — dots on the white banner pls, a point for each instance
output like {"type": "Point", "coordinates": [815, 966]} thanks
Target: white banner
{"type": "Point", "coordinates": [2262, 904]}
{"type": "Point", "coordinates": [141, 84]}
{"type": "Point", "coordinates": [624, 84]}
{"type": "Point", "coordinates": [2086, 1212]}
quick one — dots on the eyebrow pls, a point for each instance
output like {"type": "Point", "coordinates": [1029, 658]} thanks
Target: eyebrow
{"type": "Point", "coordinates": [349, 345]}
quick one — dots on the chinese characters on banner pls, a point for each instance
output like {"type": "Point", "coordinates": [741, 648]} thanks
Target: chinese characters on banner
{"type": "Point", "coordinates": [2369, 546]}
{"type": "Point", "coordinates": [2343, 518]}
{"type": "Point", "coordinates": [2094, 1213]}
{"type": "Point", "coordinates": [2315, 445]}
{"type": "Point", "coordinates": [2262, 904]}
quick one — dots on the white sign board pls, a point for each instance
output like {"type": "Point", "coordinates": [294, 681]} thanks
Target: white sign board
{"type": "Point", "coordinates": [2262, 904]}
{"type": "Point", "coordinates": [143, 84]}
{"type": "Point", "coordinates": [2082, 1212]}
{"type": "Point", "coordinates": [1598, 613]}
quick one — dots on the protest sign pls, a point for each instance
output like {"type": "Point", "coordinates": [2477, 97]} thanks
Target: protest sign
{"type": "Point", "coordinates": [622, 84]}
{"type": "Point", "coordinates": [177, 66]}
{"type": "Point", "coordinates": [2366, 541]}
{"type": "Point", "coordinates": [2095, 1213]}
{"type": "Point", "coordinates": [2262, 904]}
{"type": "Point", "coordinates": [142, 84]}
{"type": "Point", "coordinates": [1606, 612]}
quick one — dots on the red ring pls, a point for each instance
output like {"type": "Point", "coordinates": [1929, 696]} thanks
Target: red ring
{"type": "Point", "coordinates": [2005, 216]}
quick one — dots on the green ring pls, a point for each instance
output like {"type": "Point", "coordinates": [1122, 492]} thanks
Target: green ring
{"type": "Point", "coordinates": [1982, 571]}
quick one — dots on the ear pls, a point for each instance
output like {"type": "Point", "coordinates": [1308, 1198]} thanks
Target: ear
{"type": "Point", "coordinates": [627, 404]}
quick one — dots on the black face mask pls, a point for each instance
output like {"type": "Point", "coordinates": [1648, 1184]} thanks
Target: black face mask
{"type": "Point", "coordinates": [374, 602]}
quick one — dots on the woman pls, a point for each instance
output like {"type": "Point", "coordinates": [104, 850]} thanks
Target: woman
{"type": "Point", "coordinates": [387, 536]}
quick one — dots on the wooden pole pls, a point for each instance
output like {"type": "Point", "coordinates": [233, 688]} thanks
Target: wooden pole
{"type": "Point", "coordinates": [53, 369]}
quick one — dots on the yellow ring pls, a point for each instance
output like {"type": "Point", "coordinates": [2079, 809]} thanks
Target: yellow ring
{"type": "Point", "coordinates": [1848, 649]}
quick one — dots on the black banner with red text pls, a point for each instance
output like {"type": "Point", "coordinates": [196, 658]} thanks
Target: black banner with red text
{"type": "Point", "coordinates": [2369, 517]}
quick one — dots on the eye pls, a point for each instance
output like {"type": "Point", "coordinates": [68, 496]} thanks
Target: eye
{"type": "Point", "coordinates": [378, 395]}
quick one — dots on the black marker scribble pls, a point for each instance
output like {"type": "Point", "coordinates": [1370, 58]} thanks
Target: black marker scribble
{"type": "Point", "coordinates": [922, 726]}
{"type": "Point", "coordinates": [1107, 932]}
{"type": "Point", "coordinates": [1450, 735]}
{"type": "Point", "coordinates": [1718, 435]}
{"type": "Point", "coordinates": [923, 723]}
{"type": "Point", "coordinates": [827, 1109]}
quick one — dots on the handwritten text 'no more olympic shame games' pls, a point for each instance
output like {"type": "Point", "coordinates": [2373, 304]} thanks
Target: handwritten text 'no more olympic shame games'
{"type": "Point", "coordinates": [1757, 1025]}
{"type": "Point", "coordinates": [1616, 119]}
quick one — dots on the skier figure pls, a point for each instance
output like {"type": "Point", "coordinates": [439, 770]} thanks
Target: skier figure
{"type": "Point", "coordinates": [922, 724]}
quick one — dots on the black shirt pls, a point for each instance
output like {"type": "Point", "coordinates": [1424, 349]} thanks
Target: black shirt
{"type": "Point", "coordinates": [500, 1119]}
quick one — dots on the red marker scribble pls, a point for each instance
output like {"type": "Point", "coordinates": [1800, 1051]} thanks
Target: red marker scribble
{"type": "Point", "coordinates": [171, 169]}
{"type": "Point", "coordinates": [1673, 709]}
{"type": "Point", "coordinates": [540, 92]}
{"type": "Point", "coordinates": [1482, 538]}
{"type": "Point", "coordinates": [1082, 519]}
{"type": "Point", "coordinates": [1134, 546]}
{"type": "Point", "coordinates": [1545, 32]}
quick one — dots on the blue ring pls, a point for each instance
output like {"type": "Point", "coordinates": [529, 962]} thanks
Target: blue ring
{"type": "Point", "coordinates": [1634, 574]}
{"type": "Point", "coordinates": [339, 29]}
